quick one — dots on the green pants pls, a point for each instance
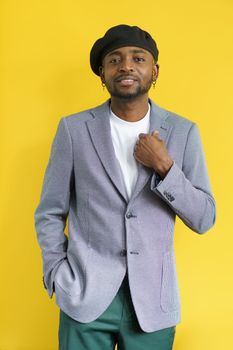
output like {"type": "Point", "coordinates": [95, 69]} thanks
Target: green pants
{"type": "Point", "coordinates": [118, 325]}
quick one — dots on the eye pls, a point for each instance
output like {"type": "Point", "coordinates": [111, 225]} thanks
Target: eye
{"type": "Point", "coordinates": [114, 60]}
{"type": "Point", "coordinates": [139, 59]}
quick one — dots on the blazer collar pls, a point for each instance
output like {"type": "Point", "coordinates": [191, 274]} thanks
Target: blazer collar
{"type": "Point", "coordinates": [100, 133]}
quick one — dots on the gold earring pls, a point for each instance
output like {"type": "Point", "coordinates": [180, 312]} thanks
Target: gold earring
{"type": "Point", "coordinates": [103, 85]}
{"type": "Point", "coordinates": [153, 83]}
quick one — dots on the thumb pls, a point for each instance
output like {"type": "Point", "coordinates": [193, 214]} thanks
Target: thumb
{"type": "Point", "coordinates": [155, 133]}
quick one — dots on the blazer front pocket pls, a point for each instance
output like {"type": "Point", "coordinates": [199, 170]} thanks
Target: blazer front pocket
{"type": "Point", "coordinates": [170, 297]}
{"type": "Point", "coordinates": [67, 280]}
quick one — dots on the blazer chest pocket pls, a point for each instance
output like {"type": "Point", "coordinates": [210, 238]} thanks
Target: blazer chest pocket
{"type": "Point", "coordinates": [170, 296]}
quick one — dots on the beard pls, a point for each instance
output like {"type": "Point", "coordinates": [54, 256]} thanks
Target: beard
{"type": "Point", "coordinates": [129, 95]}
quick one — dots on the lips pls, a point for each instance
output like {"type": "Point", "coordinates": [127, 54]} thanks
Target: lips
{"type": "Point", "coordinates": [126, 77]}
{"type": "Point", "coordinates": [126, 80]}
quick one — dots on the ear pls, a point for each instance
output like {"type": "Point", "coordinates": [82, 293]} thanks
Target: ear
{"type": "Point", "coordinates": [155, 70]}
{"type": "Point", "coordinates": [101, 72]}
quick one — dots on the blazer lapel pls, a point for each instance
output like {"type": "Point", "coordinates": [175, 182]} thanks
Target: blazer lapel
{"type": "Point", "coordinates": [157, 122]}
{"type": "Point", "coordinates": [100, 132]}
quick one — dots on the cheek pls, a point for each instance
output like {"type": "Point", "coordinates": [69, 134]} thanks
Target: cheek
{"type": "Point", "coordinates": [145, 73]}
{"type": "Point", "coordinates": [108, 77]}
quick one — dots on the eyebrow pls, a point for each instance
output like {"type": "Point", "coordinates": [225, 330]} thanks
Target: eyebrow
{"type": "Point", "coordinates": [131, 51]}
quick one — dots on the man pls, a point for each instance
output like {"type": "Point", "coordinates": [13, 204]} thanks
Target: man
{"type": "Point", "coordinates": [120, 172]}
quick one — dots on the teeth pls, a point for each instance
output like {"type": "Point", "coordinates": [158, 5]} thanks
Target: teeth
{"type": "Point", "coordinates": [126, 82]}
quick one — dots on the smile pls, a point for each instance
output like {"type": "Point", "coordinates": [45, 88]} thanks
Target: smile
{"type": "Point", "coordinates": [126, 82]}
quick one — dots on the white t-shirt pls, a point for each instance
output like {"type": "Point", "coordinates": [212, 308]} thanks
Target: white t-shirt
{"type": "Point", "coordinates": [124, 136]}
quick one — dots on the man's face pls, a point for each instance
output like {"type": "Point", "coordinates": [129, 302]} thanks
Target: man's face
{"type": "Point", "coordinates": [128, 72]}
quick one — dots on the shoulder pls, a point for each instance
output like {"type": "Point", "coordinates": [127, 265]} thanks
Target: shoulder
{"type": "Point", "coordinates": [175, 120]}
{"type": "Point", "coordinates": [79, 118]}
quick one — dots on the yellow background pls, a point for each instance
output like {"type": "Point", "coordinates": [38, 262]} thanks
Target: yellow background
{"type": "Point", "coordinates": [45, 75]}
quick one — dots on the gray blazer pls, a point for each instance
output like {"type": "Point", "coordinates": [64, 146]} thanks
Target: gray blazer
{"type": "Point", "coordinates": [107, 234]}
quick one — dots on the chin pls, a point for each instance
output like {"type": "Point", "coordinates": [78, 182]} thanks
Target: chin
{"type": "Point", "coordinates": [127, 95]}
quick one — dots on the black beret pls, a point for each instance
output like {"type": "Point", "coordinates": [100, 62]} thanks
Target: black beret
{"type": "Point", "coordinates": [121, 36]}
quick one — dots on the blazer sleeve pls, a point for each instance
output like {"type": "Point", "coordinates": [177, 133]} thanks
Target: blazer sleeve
{"type": "Point", "coordinates": [52, 211]}
{"type": "Point", "coordinates": [187, 191]}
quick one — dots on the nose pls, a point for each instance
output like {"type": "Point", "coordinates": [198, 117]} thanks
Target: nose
{"type": "Point", "coordinates": [126, 65]}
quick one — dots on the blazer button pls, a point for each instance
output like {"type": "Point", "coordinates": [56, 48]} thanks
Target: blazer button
{"type": "Point", "coordinates": [123, 252]}
{"type": "Point", "coordinates": [169, 196]}
{"type": "Point", "coordinates": [130, 215]}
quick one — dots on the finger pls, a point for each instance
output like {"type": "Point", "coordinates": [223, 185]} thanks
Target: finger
{"type": "Point", "coordinates": [138, 159]}
{"type": "Point", "coordinates": [141, 135]}
{"type": "Point", "coordinates": [136, 145]}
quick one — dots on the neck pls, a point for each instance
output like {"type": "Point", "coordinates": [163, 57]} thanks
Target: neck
{"type": "Point", "coordinates": [131, 111]}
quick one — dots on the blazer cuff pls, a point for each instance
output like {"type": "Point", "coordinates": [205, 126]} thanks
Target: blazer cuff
{"type": "Point", "coordinates": [49, 278]}
{"type": "Point", "coordinates": [165, 187]}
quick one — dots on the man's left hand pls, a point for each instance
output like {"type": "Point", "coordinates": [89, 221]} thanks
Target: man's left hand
{"type": "Point", "coordinates": [150, 150]}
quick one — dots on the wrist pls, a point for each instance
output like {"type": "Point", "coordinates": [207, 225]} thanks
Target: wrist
{"type": "Point", "coordinates": [164, 167]}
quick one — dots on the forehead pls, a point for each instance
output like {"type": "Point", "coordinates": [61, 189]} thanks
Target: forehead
{"type": "Point", "coordinates": [128, 50]}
